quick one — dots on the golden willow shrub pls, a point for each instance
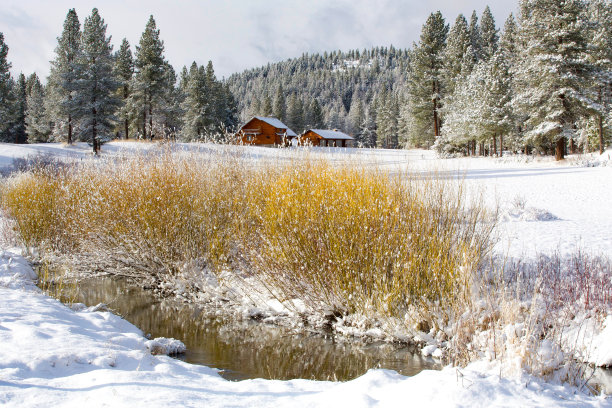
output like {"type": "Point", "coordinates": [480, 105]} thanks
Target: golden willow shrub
{"type": "Point", "coordinates": [337, 237]}
{"type": "Point", "coordinates": [356, 240]}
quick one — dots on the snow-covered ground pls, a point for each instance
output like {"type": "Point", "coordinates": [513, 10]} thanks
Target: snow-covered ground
{"type": "Point", "coordinates": [54, 356]}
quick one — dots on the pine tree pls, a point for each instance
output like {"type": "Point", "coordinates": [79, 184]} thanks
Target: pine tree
{"type": "Point", "coordinates": [552, 70]}
{"type": "Point", "coordinates": [475, 37]}
{"type": "Point", "coordinates": [425, 81]}
{"type": "Point", "coordinates": [94, 99]}
{"type": "Point", "coordinates": [316, 116]}
{"type": "Point", "coordinates": [6, 96]}
{"type": "Point", "coordinates": [488, 34]}
{"type": "Point", "coordinates": [295, 114]}
{"type": "Point", "coordinates": [457, 45]}
{"type": "Point", "coordinates": [38, 127]}
{"type": "Point", "coordinates": [266, 106]}
{"type": "Point", "coordinates": [279, 109]}
{"type": "Point", "coordinates": [355, 119]}
{"type": "Point", "coordinates": [387, 116]}
{"type": "Point", "coordinates": [600, 57]}
{"type": "Point", "coordinates": [368, 128]}
{"type": "Point", "coordinates": [195, 104]}
{"type": "Point", "coordinates": [124, 70]}
{"type": "Point", "coordinates": [168, 112]}
{"type": "Point", "coordinates": [17, 129]}
{"type": "Point", "coordinates": [508, 41]}
{"type": "Point", "coordinates": [62, 78]}
{"type": "Point", "coordinates": [148, 81]}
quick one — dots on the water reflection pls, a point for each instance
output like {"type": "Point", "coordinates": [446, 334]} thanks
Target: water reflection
{"type": "Point", "coordinates": [246, 349]}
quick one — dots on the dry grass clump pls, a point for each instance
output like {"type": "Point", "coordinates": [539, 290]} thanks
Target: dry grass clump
{"type": "Point", "coordinates": [340, 238]}
{"type": "Point", "coordinates": [144, 217]}
{"type": "Point", "coordinates": [356, 240]}
{"type": "Point", "coordinates": [536, 316]}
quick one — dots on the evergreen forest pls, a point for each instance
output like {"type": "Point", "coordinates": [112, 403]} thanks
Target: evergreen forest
{"type": "Point", "coordinates": [539, 83]}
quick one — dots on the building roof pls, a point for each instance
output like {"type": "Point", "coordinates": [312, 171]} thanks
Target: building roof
{"type": "Point", "coordinates": [331, 134]}
{"type": "Point", "coordinates": [276, 123]}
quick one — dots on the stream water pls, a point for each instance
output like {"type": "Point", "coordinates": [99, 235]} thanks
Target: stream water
{"type": "Point", "coordinates": [246, 349]}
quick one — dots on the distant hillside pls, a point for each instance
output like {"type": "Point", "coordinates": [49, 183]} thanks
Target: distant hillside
{"type": "Point", "coordinates": [349, 91]}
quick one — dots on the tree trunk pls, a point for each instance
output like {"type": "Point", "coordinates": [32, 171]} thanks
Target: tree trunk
{"type": "Point", "coordinates": [494, 145]}
{"type": "Point", "coordinates": [572, 146]}
{"type": "Point", "coordinates": [127, 129]}
{"type": "Point", "coordinates": [151, 121]}
{"type": "Point", "coordinates": [501, 145]}
{"type": "Point", "coordinates": [69, 129]}
{"type": "Point", "coordinates": [435, 111]}
{"type": "Point", "coordinates": [560, 149]}
{"type": "Point", "coordinates": [601, 140]}
{"type": "Point", "coordinates": [144, 124]}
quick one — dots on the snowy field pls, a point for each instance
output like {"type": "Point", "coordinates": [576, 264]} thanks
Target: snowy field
{"type": "Point", "coordinates": [54, 356]}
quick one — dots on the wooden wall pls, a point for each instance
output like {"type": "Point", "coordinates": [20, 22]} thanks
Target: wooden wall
{"type": "Point", "coordinates": [267, 136]}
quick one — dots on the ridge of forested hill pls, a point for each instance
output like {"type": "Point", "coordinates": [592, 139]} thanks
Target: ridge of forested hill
{"type": "Point", "coordinates": [353, 91]}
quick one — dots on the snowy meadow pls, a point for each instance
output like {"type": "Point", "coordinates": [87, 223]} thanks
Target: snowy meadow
{"type": "Point", "coordinates": [475, 261]}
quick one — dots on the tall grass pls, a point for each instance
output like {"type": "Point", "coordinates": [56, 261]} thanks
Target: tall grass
{"type": "Point", "coordinates": [338, 237]}
{"type": "Point", "coordinates": [357, 240]}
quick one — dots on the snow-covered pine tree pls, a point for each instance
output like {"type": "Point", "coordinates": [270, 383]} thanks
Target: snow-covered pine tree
{"type": "Point", "coordinates": [387, 115]}
{"type": "Point", "coordinates": [229, 118]}
{"type": "Point", "coordinates": [295, 113]}
{"type": "Point", "coordinates": [497, 116]}
{"type": "Point", "coordinates": [457, 44]}
{"type": "Point", "coordinates": [266, 106]}
{"type": "Point", "coordinates": [425, 81]}
{"type": "Point", "coordinates": [195, 104]}
{"type": "Point", "coordinates": [279, 110]}
{"type": "Point", "coordinates": [124, 70]}
{"type": "Point", "coordinates": [6, 85]}
{"type": "Point", "coordinates": [316, 118]}
{"type": "Point", "coordinates": [508, 40]}
{"type": "Point", "coordinates": [168, 113]}
{"type": "Point", "coordinates": [94, 99]}
{"type": "Point", "coordinates": [336, 116]}
{"type": "Point", "coordinates": [552, 71]}
{"type": "Point", "coordinates": [62, 78]}
{"type": "Point", "coordinates": [368, 128]}
{"type": "Point", "coordinates": [355, 119]}
{"type": "Point", "coordinates": [488, 34]}
{"type": "Point", "coordinates": [475, 37]}
{"type": "Point", "coordinates": [17, 129]}
{"type": "Point", "coordinates": [600, 56]}
{"type": "Point", "coordinates": [38, 127]}
{"type": "Point", "coordinates": [148, 81]}
{"type": "Point", "coordinates": [509, 49]}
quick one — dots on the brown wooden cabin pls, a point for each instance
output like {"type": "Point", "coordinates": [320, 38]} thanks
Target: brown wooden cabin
{"type": "Point", "coordinates": [264, 131]}
{"type": "Point", "coordinates": [326, 137]}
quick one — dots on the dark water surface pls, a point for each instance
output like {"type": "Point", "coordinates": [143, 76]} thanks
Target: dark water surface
{"type": "Point", "coordinates": [246, 349]}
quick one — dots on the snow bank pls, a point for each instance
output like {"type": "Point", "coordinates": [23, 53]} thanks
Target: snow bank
{"type": "Point", "coordinates": [52, 355]}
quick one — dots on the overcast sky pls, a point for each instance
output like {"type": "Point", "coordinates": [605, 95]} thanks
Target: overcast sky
{"type": "Point", "coordinates": [234, 34]}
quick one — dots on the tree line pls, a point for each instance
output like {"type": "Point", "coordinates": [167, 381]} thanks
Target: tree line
{"type": "Point", "coordinates": [542, 84]}
{"type": "Point", "coordinates": [94, 95]}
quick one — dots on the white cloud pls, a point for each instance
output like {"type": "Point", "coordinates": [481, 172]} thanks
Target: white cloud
{"type": "Point", "coordinates": [236, 34]}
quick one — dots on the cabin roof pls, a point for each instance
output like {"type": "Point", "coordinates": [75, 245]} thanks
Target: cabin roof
{"type": "Point", "coordinates": [331, 134]}
{"type": "Point", "coordinates": [275, 123]}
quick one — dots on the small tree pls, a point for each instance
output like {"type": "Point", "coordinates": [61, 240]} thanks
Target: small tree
{"type": "Point", "coordinates": [63, 77]}
{"type": "Point", "coordinates": [94, 99]}
{"type": "Point", "coordinates": [552, 69]}
{"type": "Point", "coordinates": [425, 85]}
{"type": "Point", "coordinates": [148, 81]}
{"type": "Point", "coordinates": [124, 71]}
{"type": "Point", "coordinates": [38, 127]}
